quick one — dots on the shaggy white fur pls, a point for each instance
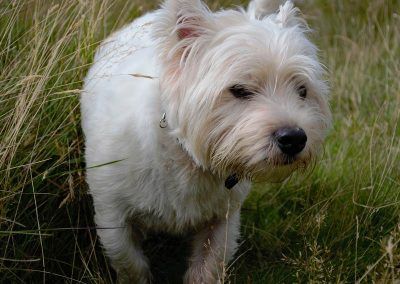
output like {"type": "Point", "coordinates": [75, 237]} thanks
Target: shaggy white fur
{"type": "Point", "coordinates": [229, 83]}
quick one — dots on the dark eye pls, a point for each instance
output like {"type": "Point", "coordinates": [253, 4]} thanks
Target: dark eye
{"type": "Point", "coordinates": [239, 91]}
{"type": "Point", "coordinates": [302, 91]}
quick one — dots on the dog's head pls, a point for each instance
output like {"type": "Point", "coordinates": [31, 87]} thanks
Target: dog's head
{"type": "Point", "coordinates": [242, 90]}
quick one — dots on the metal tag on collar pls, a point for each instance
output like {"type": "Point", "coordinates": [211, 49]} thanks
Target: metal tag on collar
{"type": "Point", "coordinates": [231, 181]}
{"type": "Point", "coordinates": [163, 121]}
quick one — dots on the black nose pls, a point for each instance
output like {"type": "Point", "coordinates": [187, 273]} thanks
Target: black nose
{"type": "Point", "coordinates": [291, 140]}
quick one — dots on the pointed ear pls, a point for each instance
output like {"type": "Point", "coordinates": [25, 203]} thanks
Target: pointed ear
{"type": "Point", "coordinates": [191, 19]}
{"type": "Point", "coordinates": [259, 9]}
{"type": "Point", "coordinates": [183, 20]}
{"type": "Point", "coordinates": [289, 16]}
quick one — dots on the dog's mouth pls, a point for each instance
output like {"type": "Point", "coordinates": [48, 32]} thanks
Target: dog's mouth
{"type": "Point", "coordinates": [272, 165]}
{"type": "Point", "coordinates": [293, 163]}
{"type": "Point", "coordinates": [287, 160]}
{"type": "Point", "coordinates": [284, 160]}
{"type": "Point", "coordinates": [269, 170]}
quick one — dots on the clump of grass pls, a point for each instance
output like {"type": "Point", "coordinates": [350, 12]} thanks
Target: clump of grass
{"type": "Point", "coordinates": [46, 47]}
{"type": "Point", "coordinates": [340, 224]}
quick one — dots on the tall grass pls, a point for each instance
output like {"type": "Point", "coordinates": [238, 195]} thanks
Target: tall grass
{"type": "Point", "coordinates": [339, 224]}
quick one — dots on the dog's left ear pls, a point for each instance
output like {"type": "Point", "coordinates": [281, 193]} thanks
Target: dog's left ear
{"type": "Point", "coordinates": [289, 16]}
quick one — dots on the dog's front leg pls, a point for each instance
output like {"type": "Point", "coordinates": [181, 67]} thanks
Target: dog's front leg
{"type": "Point", "coordinates": [121, 243]}
{"type": "Point", "coordinates": [213, 248]}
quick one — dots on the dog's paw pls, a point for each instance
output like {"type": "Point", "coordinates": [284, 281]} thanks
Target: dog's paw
{"type": "Point", "coordinates": [130, 278]}
{"type": "Point", "coordinates": [201, 274]}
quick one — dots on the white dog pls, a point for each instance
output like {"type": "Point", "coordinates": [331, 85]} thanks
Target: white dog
{"type": "Point", "coordinates": [181, 110]}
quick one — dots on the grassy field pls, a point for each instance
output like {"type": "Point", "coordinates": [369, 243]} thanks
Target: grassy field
{"type": "Point", "coordinates": [340, 223]}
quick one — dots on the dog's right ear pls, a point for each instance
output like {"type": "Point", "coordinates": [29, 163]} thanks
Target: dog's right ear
{"type": "Point", "coordinates": [181, 23]}
{"type": "Point", "coordinates": [191, 18]}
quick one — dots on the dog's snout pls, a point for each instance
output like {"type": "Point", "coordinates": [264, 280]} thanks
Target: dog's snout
{"type": "Point", "coordinates": [291, 140]}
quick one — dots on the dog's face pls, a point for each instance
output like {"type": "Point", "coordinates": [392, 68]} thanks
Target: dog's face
{"type": "Point", "coordinates": [243, 95]}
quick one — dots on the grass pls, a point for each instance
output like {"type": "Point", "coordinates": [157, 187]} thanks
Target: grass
{"type": "Point", "coordinates": [338, 224]}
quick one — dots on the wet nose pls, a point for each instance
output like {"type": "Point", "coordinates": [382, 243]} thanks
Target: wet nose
{"type": "Point", "coordinates": [291, 140]}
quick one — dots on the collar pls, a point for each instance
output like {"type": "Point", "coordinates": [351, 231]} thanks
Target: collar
{"type": "Point", "coordinates": [230, 181]}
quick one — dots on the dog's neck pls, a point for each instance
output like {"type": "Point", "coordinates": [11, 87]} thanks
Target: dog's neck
{"type": "Point", "coordinates": [230, 181]}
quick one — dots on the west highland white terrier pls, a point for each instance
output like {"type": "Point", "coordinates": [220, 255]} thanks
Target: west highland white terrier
{"type": "Point", "coordinates": [181, 110]}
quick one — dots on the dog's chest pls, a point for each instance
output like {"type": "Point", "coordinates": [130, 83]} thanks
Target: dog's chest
{"type": "Point", "coordinates": [188, 199]}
